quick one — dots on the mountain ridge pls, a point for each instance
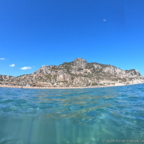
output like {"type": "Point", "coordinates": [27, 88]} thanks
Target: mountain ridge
{"type": "Point", "coordinates": [78, 73]}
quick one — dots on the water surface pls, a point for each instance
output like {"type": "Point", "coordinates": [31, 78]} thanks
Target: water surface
{"type": "Point", "coordinates": [72, 116]}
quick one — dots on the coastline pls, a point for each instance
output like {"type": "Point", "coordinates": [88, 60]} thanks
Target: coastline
{"type": "Point", "coordinates": [25, 87]}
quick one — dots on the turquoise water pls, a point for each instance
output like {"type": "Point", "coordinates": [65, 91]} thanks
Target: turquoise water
{"type": "Point", "coordinates": [72, 116]}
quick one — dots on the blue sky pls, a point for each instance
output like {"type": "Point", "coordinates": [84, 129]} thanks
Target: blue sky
{"type": "Point", "coordinates": [49, 32]}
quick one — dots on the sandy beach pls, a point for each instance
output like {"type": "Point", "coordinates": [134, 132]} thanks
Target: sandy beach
{"type": "Point", "coordinates": [25, 87]}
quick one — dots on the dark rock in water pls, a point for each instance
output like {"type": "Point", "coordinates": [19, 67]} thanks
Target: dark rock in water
{"type": "Point", "coordinates": [75, 74]}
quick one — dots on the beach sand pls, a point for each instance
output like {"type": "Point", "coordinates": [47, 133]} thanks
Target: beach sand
{"type": "Point", "coordinates": [25, 87]}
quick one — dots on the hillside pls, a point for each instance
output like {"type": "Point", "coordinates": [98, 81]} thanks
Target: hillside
{"type": "Point", "coordinates": [75, 74]}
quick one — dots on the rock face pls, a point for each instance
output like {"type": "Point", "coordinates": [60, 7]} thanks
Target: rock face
{"type": "Point", "coordinates": [78, 73]}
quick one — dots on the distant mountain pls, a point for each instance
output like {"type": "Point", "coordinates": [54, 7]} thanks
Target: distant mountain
{"type": "Point", "coordinates": [75, 74]}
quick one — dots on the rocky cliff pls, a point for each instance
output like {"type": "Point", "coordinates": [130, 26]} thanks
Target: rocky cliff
{"type": "Point", "coordinates": [78, 73]}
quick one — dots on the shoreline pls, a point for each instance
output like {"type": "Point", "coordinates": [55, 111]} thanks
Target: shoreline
{"type": "Point", "coordinates": [25, 87]}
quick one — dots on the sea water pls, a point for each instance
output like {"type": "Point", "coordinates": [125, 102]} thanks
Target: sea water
{"type": "Point", "coordinates": [72, 116]}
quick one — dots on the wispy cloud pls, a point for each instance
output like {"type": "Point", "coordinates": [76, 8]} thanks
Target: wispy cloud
{"type": "Point", "coordinates": [25, 68]}
{"type": "Point", "coordinates": [12, 65]}
{"type": "Point", "coordinates": [2, 58]}
{"type": "Point", "coordinates": [104, 20]}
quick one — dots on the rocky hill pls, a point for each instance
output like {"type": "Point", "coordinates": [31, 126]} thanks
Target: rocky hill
{"type": "Point", "coordinates": [78, 73]}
